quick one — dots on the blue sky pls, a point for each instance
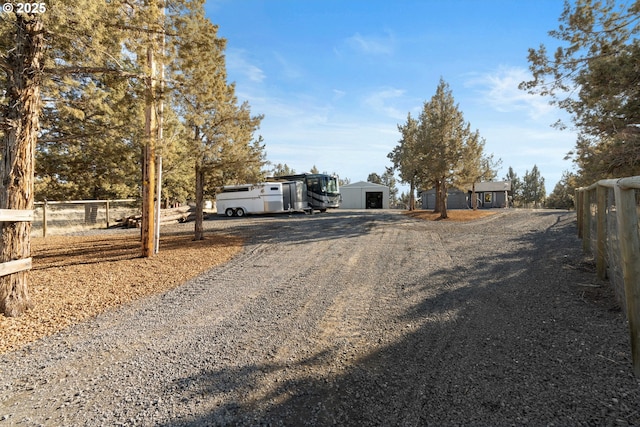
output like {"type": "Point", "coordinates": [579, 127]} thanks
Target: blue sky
{"type": "Point", "coordinates": [334, 78]}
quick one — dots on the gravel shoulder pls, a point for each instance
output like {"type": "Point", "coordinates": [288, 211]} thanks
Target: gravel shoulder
{"type": "Point", "coordinates": [350, 318]}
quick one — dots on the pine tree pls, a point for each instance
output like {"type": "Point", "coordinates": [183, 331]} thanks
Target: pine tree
{"type": "Point", "coordinates": [406, 159]}
{"type": "Point", "coordinates": [220, 131]}
{"type": "Point", "coordinates": [442, 135]}
{"type": "Point", "coordinates": [476, 166]}
{"type": "Point", "coordinates": [593, 75]}
{"type": "Point", "coordinates": [533, 190]}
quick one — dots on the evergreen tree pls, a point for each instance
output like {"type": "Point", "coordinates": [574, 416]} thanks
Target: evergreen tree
{"type": "Point", "coordinates": [406, 159]}
{"type": "Point", "coordinates": [476, 166]}
{"type": "Point", "coordinates": [516, 186]}
{"type": "Point", "coordinates": [374, 178]}
{"type": "Point", "coordinates": [562, 196]}
{"type": "Point", "coordinates": [282, 170]}
{"type": "Point", "coordinates": [593, 76]}
{"type": "Point", "coordinates": [220, 131]}
{"type": "Point", "coordinates": [442, 136]}
{"type": "Point", "coordinates": [533, 190]}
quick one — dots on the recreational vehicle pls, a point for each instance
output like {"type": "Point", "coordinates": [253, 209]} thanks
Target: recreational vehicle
{"type": "Point", "coordinates": [322, 190]}
{"type": "Point", "coordinates": [266, 197]}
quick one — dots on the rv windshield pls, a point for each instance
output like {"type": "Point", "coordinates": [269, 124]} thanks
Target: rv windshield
{"type": "Point", "coordinates": [332, 185]}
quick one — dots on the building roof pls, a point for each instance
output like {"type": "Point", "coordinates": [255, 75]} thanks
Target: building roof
{"type": "Point", "coordinates": [361, 184]}
{"type": "Point", "coordinates": [492, 186]}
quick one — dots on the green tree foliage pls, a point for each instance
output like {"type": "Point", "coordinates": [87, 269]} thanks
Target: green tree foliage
{"type": "Point", "coordinates": [593, 75]}
{"type": "Point", "coordinates": [405, 158]}
{"type": "Point", "coordinates": [563, 194]}
{"type": "Point", "coordinates": [282, 170]}
{"type": "Point", "coordinates": [476, 166]}
{"type": "Point", "coordinates": [218, 130]}
{"type": "Point", "coordinates": [374, 178]}
{"type": "Point", "coordinates": [533, 190]}
{"type": "Point", "coordinates": [516, 186]}
{"type": "Point", "coordinates": [439, 150]}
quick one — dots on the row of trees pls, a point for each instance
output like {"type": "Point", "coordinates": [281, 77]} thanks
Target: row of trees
{"type": "Point", "coordinates": [528, 191]}
{"type": "Point", "coordinates": [593, 75]}
{"type": "Point", "coordinates": [98, 92]}
{"type": "Point", "coordinates": [439, 149]}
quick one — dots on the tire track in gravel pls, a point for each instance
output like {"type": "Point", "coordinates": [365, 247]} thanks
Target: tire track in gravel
{"type": "Point", "coordinates": [349, 318]}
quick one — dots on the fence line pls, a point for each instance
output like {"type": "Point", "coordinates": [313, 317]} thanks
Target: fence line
{"type": "Point", "coordinates": [614, 204]}
{"type": "Point", "coordinates": [89, 214]}
{"type": "Point", "coordinates": [15, 215]}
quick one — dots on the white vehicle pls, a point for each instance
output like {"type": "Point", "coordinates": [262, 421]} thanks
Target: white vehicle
{"type": "Point", "coordinates": [266, 197]}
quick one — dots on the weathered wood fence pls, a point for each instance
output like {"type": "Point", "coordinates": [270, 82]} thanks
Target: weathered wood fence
{"type": "Point", "coordinates": [15, 215]}
{"type": "Point", "coordinates": [90, 209]}
{"type": "Point", "coordinates": [620, 249]}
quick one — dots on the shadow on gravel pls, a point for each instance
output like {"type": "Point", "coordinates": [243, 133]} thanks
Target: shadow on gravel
{"type": "Point", "coordinates": [290, 229]}
{"type": "Point", "coordinates": [513, 337]}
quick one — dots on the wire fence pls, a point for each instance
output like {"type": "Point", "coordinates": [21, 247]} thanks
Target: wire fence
{"type": "Point", "coordinates": [607, 214]}
{"type": "Point", "coordinates": [63, 217]}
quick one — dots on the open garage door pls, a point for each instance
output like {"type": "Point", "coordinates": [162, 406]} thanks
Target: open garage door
{"type": "Point", "coordinates": [374, 199]}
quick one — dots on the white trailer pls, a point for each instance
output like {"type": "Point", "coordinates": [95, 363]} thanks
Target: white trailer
{"type": "Point", "coordinates": [266, 197]}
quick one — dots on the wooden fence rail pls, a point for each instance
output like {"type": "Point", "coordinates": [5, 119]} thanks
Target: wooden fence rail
{"type": "Point", "coordinates": [105, 203]}
{"type": "Point", "coordinates": [15, 215]}
{"type": "Point", "coordinates": [626, 213]}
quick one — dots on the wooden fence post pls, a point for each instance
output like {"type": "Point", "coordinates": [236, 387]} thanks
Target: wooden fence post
{"type": "Point", "coordinates": [579, 196]}
{"type": "Point", "coordinates": [44, 218]}
{"type": "Point", "coordinates": [627, 216]}
{"type": "Point", "coordinates": [601, 264]}
{"type": "Point", "coordinates": [586, 221]}
{"type": "Point", "coordinates": [106, 204]}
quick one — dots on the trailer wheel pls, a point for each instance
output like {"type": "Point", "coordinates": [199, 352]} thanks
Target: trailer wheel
{"type": "Point", "coordinates": [240, 212]}
{"type": "Point", "coordinates": [229, 212]}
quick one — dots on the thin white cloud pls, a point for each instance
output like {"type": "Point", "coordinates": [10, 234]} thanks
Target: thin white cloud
{"type": "Point", "coordinates": [500, 91]}
{"type": "Point", "coordinates": [382, 101]}
{"type": "Point", "coordinates": [238, 62]}
{"type": "Point", "coordinates": [372, 45]}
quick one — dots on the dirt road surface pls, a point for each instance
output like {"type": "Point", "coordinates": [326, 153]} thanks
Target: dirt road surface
{"type": "Point", "coordinates": [351, 318]}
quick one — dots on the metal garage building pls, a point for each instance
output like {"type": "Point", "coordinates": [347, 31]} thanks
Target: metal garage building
{"type": "Point", "coordinates": [364, 195]}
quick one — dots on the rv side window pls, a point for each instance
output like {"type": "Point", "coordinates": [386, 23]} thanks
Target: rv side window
{"type": "Point", "coordinates": [235, 190]}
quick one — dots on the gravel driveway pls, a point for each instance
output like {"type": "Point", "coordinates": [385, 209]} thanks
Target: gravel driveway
{"type": "Point", "coordinates": [351, 318]}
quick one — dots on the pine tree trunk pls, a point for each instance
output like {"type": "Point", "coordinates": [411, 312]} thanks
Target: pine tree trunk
{"type": "Point", "coordinates": [443, 203]}
{"type": "Point", "coordinates": [199, 231]}
{"type": "Point", "coordinates": [412, 199]}
{"type": "Point", "coordinates": [474, 199]}
{"type": "Point", "coordinates": [18, 154]}
{"type": "Point", "coordinates": [438, 188]}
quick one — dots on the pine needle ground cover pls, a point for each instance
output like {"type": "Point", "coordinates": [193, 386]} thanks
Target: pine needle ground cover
{"type": "Point", "coordinates": [454, 214]}
{"type": "Point", "coordinates": [77, 277]}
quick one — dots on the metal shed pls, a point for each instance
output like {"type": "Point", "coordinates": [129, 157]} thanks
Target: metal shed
{"type": "Point", "coordinates": [364, 195]}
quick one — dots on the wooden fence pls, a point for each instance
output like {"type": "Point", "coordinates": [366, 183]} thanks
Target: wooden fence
{"type": "Point", "coordinates": [89, 213]}
{"type": "Point", "coordinates": [625, 211]}
{"type": "Point", "coordinates": [15, 215]}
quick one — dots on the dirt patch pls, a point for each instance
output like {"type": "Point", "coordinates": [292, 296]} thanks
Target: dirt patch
{"type": "Point", "coordinates": [77, 277]}
{"type": "Point", "coordinates": [458, 215]}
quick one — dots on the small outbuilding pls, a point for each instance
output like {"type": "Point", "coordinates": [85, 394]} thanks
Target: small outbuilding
{"type": "Point", "coordinates": [493, 194]}
{"type": "Point", "coordinates": [364, 195]}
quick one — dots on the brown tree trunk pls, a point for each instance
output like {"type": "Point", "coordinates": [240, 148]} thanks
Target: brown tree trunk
{"type": "Point", "coordinates": [438, 188]}
{"type": "Point", "coordinates": [443, 203]}
{"type": "Point", "coordinates": [24, 75]}
{"type": "Point", "coordinates": [474, 199]}
{"type": "Point", "coordinates": [412, 197]}
{"type": "Point", "coordinates": [199, 231]}
{"type": "Point", "coordinates": [149, 165]}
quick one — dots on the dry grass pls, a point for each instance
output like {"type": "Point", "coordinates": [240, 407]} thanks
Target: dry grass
{"type": "Point", "coordinates": [458, 215]}
{"type": "Point", "coordinates": [77, 277]}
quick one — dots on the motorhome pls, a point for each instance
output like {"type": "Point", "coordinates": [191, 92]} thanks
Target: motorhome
{"type": "Point", "coordinates": [266, 197]}
{"type": "Point", "coordinates": [322, 190]}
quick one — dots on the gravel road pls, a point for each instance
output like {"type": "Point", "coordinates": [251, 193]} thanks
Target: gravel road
{"type": "Point", "coordinates": [351, 318]}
